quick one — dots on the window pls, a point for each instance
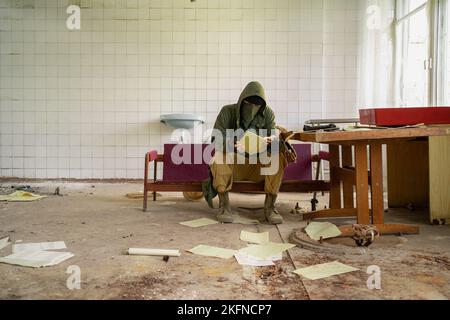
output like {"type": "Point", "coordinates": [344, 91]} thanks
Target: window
{"type": "Point", "coordinates": [405, 7]}
{"type": "Point", "coordinates": [443, 67]}
{"type": "Point", "coordinates": [446, 54]}
{"type": "Point", "coordinates": [413, 52]}
{"type": "Point", "coordinates": [422, 52]}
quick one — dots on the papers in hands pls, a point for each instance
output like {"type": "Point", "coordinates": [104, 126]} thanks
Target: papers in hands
{"type": "Point", "coordinates": [252, 143]}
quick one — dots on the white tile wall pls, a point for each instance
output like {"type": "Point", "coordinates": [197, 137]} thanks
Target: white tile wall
{"type": "Point", "coordinates": [86, 104]}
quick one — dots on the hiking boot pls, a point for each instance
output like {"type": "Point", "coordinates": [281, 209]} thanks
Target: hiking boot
{"type": "Point", "coordinates": [225, 214]}
{"type": "Point", "coordinates": [272, 215]}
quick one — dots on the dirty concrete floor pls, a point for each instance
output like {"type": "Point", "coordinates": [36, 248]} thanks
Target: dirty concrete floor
{"type": "Point", "coordinates": [98, 223]}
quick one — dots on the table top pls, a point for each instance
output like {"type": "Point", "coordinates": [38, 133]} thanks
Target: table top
{"type": "Point", "coordinates": [372, 134]}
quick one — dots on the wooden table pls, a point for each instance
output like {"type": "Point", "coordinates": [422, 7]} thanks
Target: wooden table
{"type": "Point", "coordinates": [364, 174]}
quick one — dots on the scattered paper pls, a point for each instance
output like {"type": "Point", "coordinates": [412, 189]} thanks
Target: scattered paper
{"type": "Point", "coordinates": [324, 270]}
{"type": "Point", "coordinates": [265, 251]}
{"type": "Point", "coordinates": [4, 242]}
{"type": "Point", "coordinates": [208, 251]}
{"type": "Point", "coordinates": [20, 196]}
{"type": "Point", "coordinates": [253, 143]}
{"type": "Point", "coordinates": [326, 230]}
{"type": "Point", "coordinates": [258, 238]}
{"type": "Point", "coordinates": [199, 223]}
{"type": "Point", "coordinates": [250, 261]}
{"type": "Point", "coordinates": [36, 259]}
{"type": "Point", "coordinates": [38, 246]}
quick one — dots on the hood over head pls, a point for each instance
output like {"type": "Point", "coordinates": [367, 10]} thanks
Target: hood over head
{"type": "Point", "coordinates": [253, 92]}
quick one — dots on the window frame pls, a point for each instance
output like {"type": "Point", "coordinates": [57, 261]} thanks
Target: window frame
{"type": "Point", "coordinates": [435, 63]}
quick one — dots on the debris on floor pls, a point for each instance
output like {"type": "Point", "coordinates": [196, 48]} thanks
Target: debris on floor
{"type": "Point", "coordinates": [299, 210]}
{"type": "Point", "coordinates": [364, 235]}
{"type": "Point", "coordinates": [22, 188]}
{"type": "Point", "coordinates": [266, 251]}
{"type": "Point", "coordinates": [322, 230]}
{"type": "Point", "coordinates": [202, 222]}
{"type": "Point", "coordinates": [324, 270]}
{"type": "Point", "coordinates": [4, 243]}
{"type": "Point", "coordinates": [57, 192]}
{"type": "Point", "coordinates": [267, 273]}
{"type": "Point", "coordinates": [257, 238]}
{"type": "Point", "coordinates": [209, 251]}
{"type": "Point", "coordinates": [154, 252]}
{"type": "Point", "coordinates": [21, 196]}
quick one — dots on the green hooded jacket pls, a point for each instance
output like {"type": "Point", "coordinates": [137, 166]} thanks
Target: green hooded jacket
{"type": "Point", "coordinates": [229, 118]}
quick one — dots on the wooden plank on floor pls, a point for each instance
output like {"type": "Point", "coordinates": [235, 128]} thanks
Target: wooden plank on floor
{"type": "Point", "coordinates": [330, 213]}
{"type": "Point", "coordinates": [385, 229]}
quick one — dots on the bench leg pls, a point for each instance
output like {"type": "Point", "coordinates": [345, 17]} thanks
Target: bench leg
{"type": "Point", "coordinates": [154, 195]}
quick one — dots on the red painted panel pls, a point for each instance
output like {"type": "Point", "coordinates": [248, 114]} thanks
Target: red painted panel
{"type": "Point", "coordinates": [197, 169]}
{"type": "Point", "coordinates": [405, 116]}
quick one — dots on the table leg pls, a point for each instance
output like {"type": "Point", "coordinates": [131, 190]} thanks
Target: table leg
{"type": "Point", "coordinates": [347, 161]}
{"type": "Point", "coordinates": [335, 189]}
{"type": "Point", "coordinates": [362, 184]}
{"type": "Point", "coordinates": [376, 176]}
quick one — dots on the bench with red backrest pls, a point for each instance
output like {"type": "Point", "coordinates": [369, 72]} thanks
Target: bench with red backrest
{"type": "Point", "coordinates": [188, 177]}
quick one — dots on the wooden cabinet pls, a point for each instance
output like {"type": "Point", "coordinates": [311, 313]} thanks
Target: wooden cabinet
{"type": "Point", "coordinates": [419, 174]}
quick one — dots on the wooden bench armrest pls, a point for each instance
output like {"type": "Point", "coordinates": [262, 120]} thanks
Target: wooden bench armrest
{"type": "Point", "coordinates": [149, 157]}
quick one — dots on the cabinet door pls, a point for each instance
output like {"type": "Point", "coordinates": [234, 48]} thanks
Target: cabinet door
{"type": "Point", "coordinates": [407, 174]}
{"type": "Point", "coordinates": [439, 150]}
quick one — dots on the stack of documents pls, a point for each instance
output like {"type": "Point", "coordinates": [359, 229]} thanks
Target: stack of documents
{"type": "Point", "coordinates": [263, 252]}
{"type": "Point", "coordinates": [36, 255]}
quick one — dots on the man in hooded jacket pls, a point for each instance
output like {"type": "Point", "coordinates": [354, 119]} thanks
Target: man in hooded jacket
{"type": "Point", "coordinates": [250, 113]}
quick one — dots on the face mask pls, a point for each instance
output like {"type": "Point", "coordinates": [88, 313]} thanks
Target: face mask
{"type": "Point", "coordinates": [248, 112]}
